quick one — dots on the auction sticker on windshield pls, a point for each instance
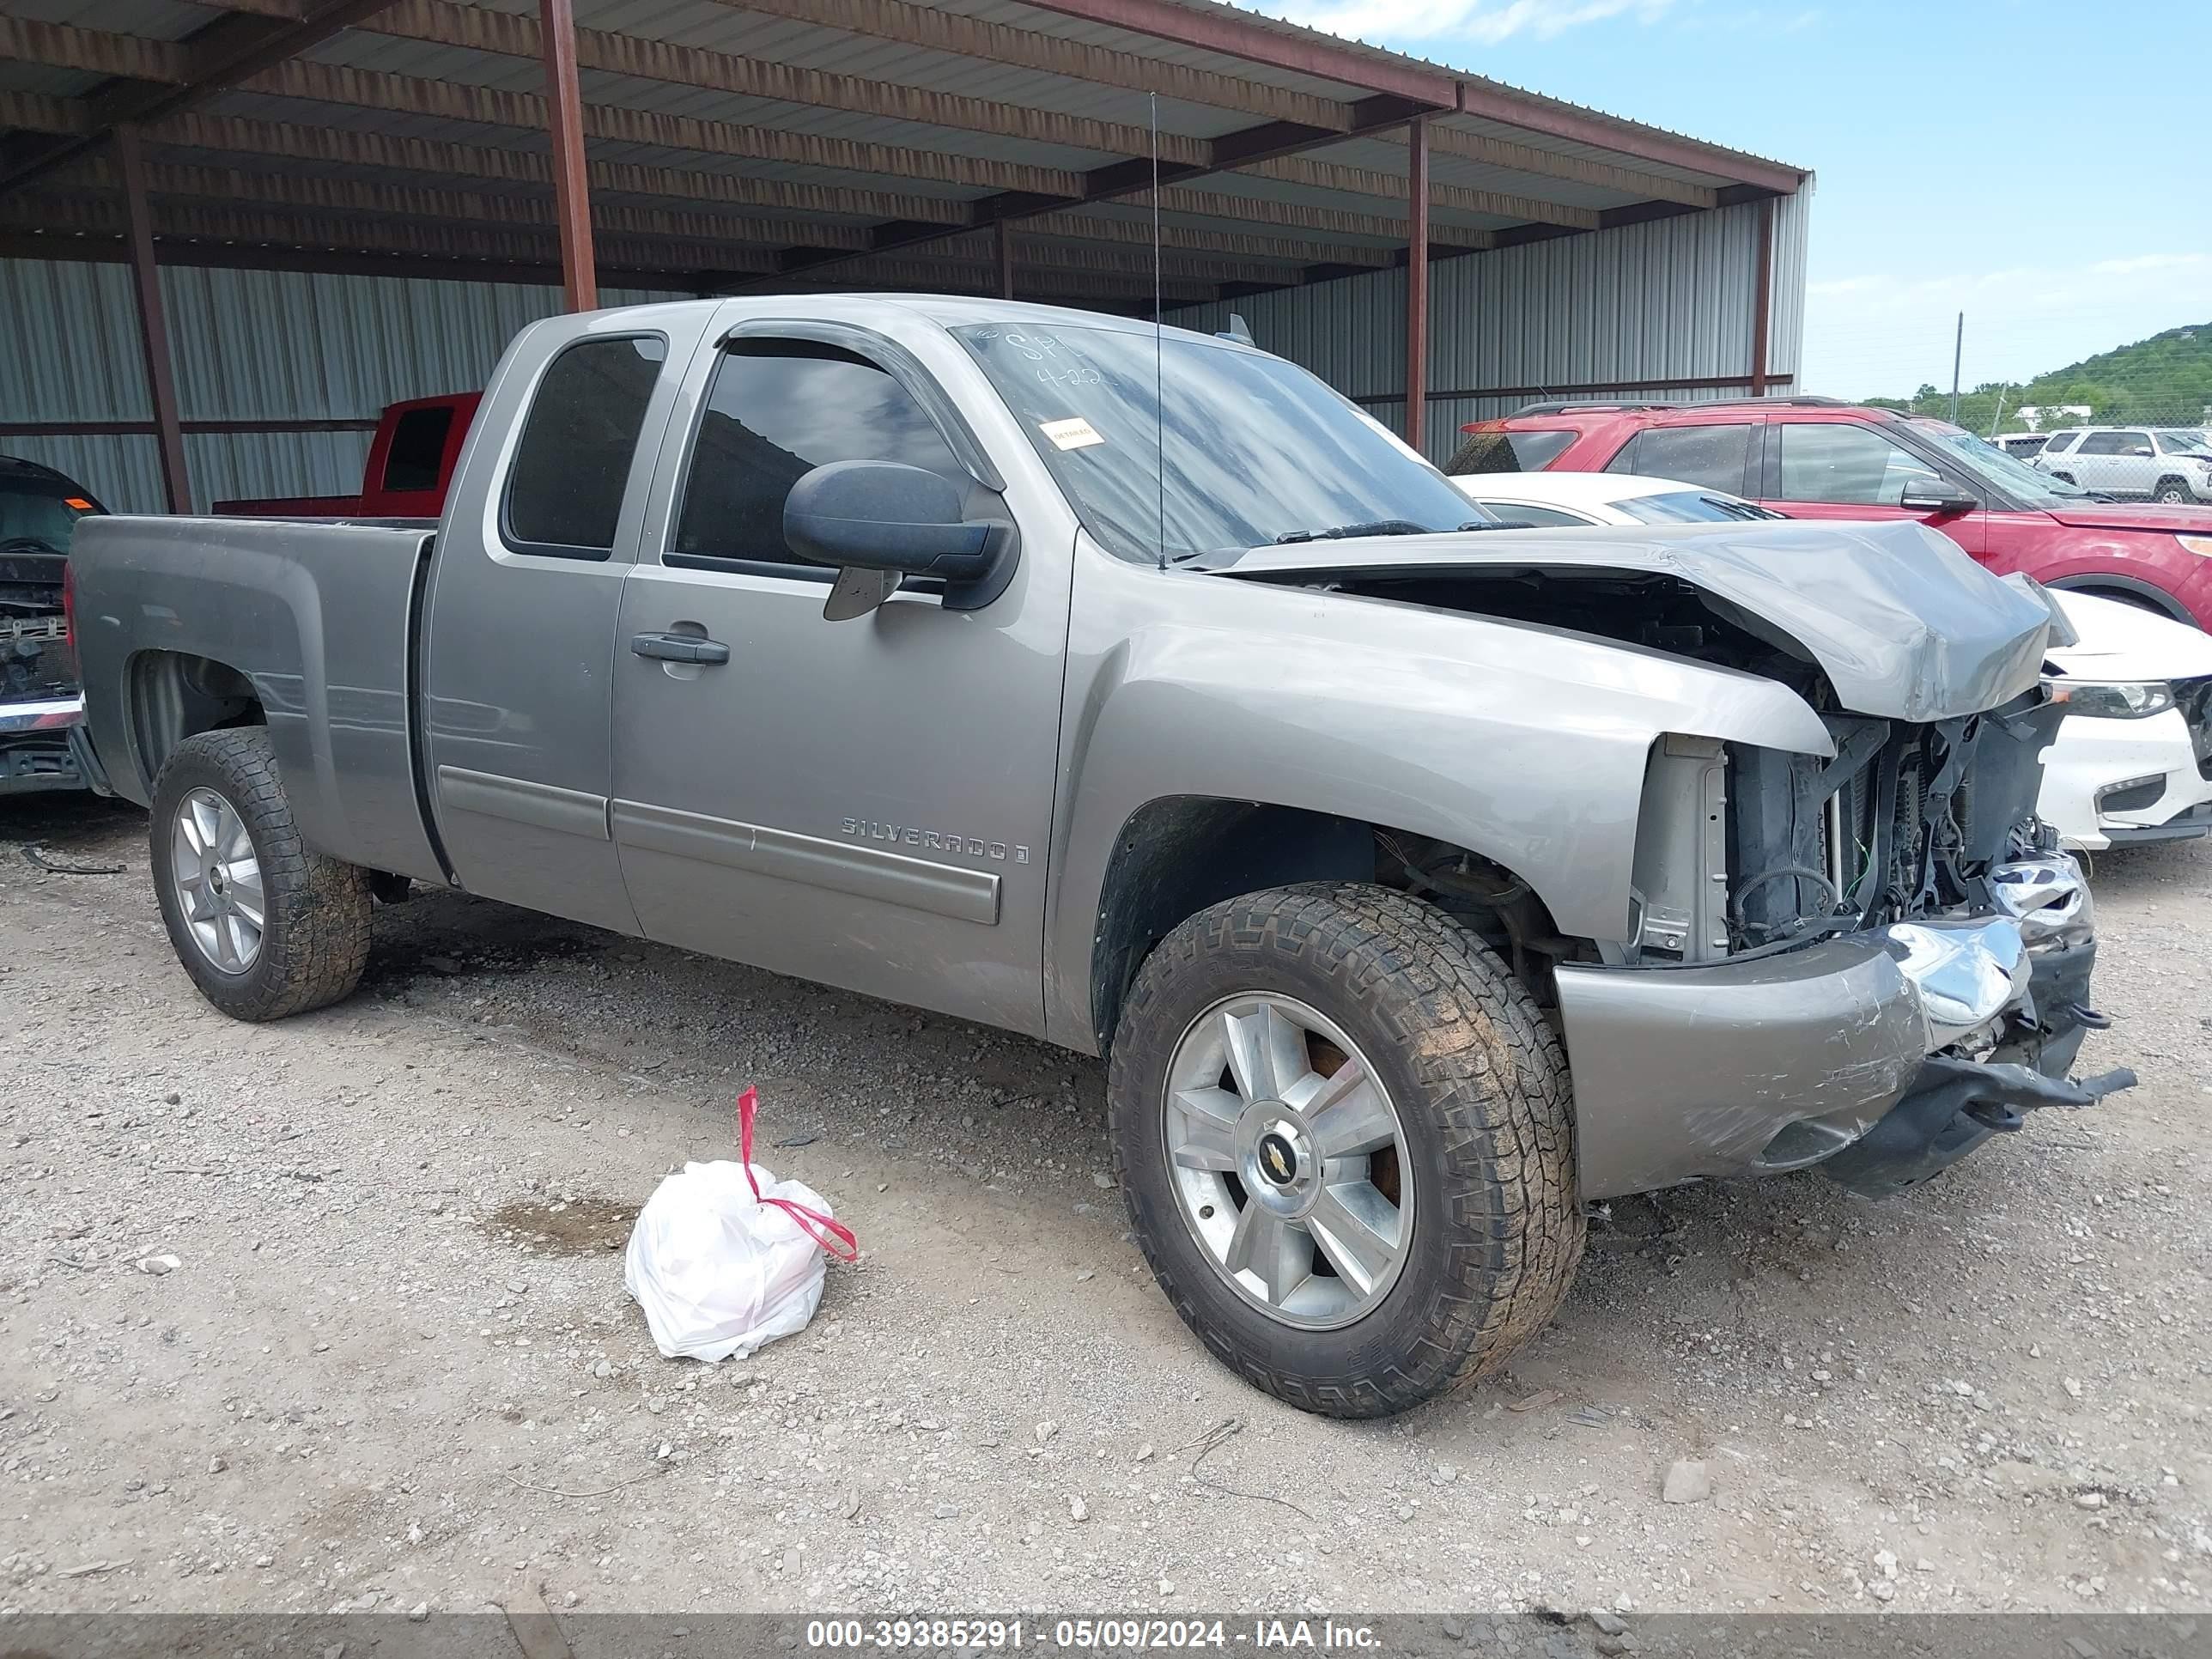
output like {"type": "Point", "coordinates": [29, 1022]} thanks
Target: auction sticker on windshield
{"type": "Point", "coordinates": [1074, 433]}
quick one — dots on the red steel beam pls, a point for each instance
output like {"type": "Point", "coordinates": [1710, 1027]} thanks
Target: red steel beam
{"type": "Point", "coordinates": [153, 323]}
{"type": "Point", "coordinates": [1762, 299]}
{"type": "Point", "coordinates": [572, 190]}
{"type": "Point", "coordinates": [1417, 279]}
{"type": "Point", "coordinates": [1596, 389]}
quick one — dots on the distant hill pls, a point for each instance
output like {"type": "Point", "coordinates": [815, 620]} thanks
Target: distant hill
{"type": "Point", "coordinates": [2166, 380]}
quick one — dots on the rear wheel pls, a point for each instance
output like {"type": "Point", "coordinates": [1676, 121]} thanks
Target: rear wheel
{"type": "Point", "coordinates": [1344, 1135]}
{"type": "Point", "coordinates": [265, 926]}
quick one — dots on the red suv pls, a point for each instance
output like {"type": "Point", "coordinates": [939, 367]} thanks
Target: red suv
{"type": "Point", "coordinates": [1815, 458]}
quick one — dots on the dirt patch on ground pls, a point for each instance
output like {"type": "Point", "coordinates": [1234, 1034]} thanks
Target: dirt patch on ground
{"type": "Point", "coordinates": [581, 1226]}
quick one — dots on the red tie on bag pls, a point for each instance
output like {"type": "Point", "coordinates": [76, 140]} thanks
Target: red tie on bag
{"type": "Point", "coordinates": [833, 1236]}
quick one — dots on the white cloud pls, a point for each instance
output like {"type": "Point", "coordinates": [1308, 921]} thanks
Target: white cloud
{"type": "Point", "coordinates": [1480, 22]}
{"type": "Point", "coordinates": [1877, 334]}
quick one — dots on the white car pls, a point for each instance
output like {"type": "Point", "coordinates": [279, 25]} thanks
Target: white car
{"type": "Point", "coordinates": [2133, 759]}
{"type": "Point", "coordinates": [1545, 499]}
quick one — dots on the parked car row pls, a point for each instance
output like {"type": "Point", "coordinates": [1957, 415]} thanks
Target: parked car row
{"type": "Point", "coordinates": [2132, 762]}
{"type": "Point", "coordinates": [1421, 880]}
{"type": "Point", "coordinates": [1814, 458]}
{"type": "Point", "coordinates": [2171, 464]}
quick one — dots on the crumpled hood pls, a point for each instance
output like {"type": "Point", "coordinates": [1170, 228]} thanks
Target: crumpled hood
{"type": "Point", "coordinates": [1904, 624]}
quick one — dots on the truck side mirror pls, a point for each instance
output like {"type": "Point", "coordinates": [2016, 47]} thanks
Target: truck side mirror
{"type": "Point", "coordinates": [895, 520]}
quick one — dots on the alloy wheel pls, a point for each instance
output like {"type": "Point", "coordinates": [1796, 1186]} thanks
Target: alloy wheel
{"type": "Point", "coordinates": [1288, 1160]}
{"type": "Point", "coordinates": [217, 876]}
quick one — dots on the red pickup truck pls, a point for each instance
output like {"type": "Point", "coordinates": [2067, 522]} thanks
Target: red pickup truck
{"type": "Point", "coordinates": [1815, 458]}
{"type": "Point", "coordinates": [410, 460]}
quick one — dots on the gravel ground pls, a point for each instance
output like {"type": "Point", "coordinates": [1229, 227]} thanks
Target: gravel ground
{"type": "Point", "coordinates": [393, 1365]}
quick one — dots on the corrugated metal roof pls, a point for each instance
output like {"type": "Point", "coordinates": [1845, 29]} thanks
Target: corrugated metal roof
{"type": "Point", "coordinates": [912, 120]}
{"type": "Point", "coordinates": [885, 96]}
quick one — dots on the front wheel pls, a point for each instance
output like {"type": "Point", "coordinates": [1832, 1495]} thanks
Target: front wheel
{"type": "Point", "coordinates": [1345, 1134]}
{"type": "Point", "coordinates": [265, 926]}
{"type": "Point", "coordinates": [2172, 492]}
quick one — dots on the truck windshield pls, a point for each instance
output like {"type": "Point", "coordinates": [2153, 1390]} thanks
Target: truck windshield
{"type": "Point", "coordinates": [1256, 449]}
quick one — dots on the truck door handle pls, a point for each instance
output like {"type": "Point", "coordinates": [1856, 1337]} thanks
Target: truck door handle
{"type": "Point", "coordinates": [679, 648]}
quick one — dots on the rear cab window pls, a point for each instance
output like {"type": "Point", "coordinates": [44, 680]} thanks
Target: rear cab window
{"type": "Point", "coordinates": [1495, 451]}
{"type": "Point", "coordinates": [572, 463]}
{"type": "Point", "coordinates": [418, 448]}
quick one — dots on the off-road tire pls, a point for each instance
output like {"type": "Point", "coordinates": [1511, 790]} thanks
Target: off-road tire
{"type": "Point", "coordinates": [2064, 478]}
{"type": "Point", "coordinates": [1481, 1090]}
{"type": "Point", "coordinates": [315, 939]}
{"type": "Point", "coordinates": [2173, 492]}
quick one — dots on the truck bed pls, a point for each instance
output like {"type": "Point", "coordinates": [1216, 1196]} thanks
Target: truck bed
{"type": "Point", "coordinates": [321, 618]}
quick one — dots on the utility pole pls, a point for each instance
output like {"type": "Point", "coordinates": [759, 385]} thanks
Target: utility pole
{"type": "Point", "coordinates": [1958, 350]}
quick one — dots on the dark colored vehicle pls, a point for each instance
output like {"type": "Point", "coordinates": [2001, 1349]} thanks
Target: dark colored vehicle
{"type": "Point", "coordinates": [41, 709]}
{"type": "Point", "coordinates": [1816, 458]}
{"type": "Point", "coordinates": [410, 462]}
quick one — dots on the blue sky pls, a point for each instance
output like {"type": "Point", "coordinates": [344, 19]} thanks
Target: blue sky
{"type": "Point", "coordinates": [2041, 166]}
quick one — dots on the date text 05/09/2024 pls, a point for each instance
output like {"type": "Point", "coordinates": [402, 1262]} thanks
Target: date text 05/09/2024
{"type": "Point", "coordinates": [1107, 1635]}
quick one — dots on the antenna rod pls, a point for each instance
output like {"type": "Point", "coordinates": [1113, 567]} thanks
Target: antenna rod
{"type": "Point", "coordinates": [1160, 346]}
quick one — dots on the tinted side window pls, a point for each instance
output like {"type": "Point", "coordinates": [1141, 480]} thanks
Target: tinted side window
{"type": "Point", "coordinates": [1850, 465]}
{"type": "Point", "coordinates": [776, 409]}
{"type": "Point", "coordinates": [2059, 440]}
{"type": "Point", "coordinates": [2105, 443]}
{"type": "Point", "coordinates": [564, 494]}
{"type": "Point", "coordinates": [1520, 513]}
{"type": "Point", "coordinates": [1510, 452]}
{"type": "Point", "coordinates": [1711, 457]}
{"type": "Point", "coordinates": [419, 442]}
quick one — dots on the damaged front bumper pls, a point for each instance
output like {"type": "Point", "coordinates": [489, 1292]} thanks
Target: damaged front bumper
{"type": "Point", "coordinates": [1850, 1052]}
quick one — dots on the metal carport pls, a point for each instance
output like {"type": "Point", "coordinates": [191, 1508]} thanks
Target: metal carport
{"type": "Point", "coordinates": [708, 145]}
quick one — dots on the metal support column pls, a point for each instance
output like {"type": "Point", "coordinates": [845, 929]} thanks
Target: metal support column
{"type": "Point", "coordinates": [153, 322]}
{"type": "Point", "coordinates": [1417, 279]}
{"type": "Point", "coordinates": [579, 279]}
{"type": "Point", "coordinates": [1762, 298]}
{"type": "Point", "coordinates": [1002, 244]}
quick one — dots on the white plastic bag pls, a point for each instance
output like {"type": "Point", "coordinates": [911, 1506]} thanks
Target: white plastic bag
{"type": "Point", "coordinates": [724, 1257]}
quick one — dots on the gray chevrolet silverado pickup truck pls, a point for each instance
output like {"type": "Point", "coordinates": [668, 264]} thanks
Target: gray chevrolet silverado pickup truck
{"type": "Point", "coordinates": [1423, 882]}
